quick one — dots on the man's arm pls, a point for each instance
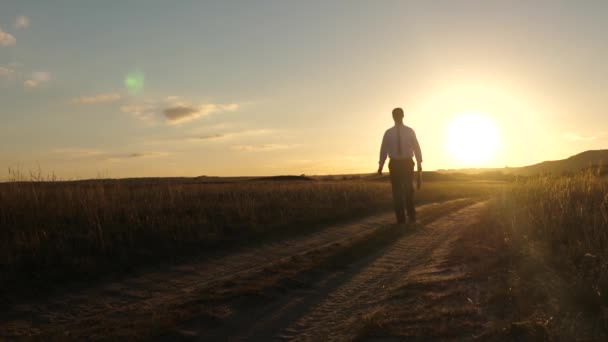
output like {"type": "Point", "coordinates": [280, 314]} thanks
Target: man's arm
{"type": "Point", "coordinates": [383, 154]}
{"type": "Point", "coordinates": [418, 155]}
{"type": "Point", "coordinates": [417, 151]}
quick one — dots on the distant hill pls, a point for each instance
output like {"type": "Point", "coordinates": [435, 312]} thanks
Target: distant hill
{"type": "Point", "coordinates": [584, 160]}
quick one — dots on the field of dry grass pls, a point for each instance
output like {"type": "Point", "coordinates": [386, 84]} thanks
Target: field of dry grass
{"type": "Point", "coordinates": [556, 230]}
{"type": "Point", "coordinates": [533, 267]}
{"type": "Point", "coordinates": [567, 214]}
{"type": "Point", "coordinates": [64, 231]}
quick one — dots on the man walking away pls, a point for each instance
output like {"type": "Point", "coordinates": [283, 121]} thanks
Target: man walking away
{"type": "Point", "coordinates": [400, 145]}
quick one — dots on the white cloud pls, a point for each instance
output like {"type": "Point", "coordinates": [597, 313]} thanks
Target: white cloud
{"type": "Point", "coordinates": [576, 137]}
{"type": "Point", "coordinates": [37, 79]}
{"type": "Point", "coordinates": [94, 99]}
{"type": "Point", "coordinates": [262, 147]}
{"type": "Point", "coordinates": [7, 39]}
{"type": "Point", "coordinates": [175, 110]}
{"type": "Point", "coordinates": [22, 22]}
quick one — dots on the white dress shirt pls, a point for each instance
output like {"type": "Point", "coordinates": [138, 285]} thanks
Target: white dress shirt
{"type": "Point", "coordinates": [409, 144]}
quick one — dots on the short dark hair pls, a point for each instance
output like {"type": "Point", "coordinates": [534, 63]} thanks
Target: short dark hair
{"type": "Point", "coordinates": [397, 113]}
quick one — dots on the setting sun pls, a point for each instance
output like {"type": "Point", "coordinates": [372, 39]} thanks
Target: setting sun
{"type": "Point", "coordinates": [472, 138]}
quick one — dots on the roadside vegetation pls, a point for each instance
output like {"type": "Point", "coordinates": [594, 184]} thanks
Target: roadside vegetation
{"type": "Point", "coordinates": [567, 215]}
{"type": "Point", "coordinates": [550, 236]}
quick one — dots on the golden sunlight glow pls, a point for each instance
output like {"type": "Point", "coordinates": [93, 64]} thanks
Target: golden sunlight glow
{"type": "Point", "coordinates": [472, 139]}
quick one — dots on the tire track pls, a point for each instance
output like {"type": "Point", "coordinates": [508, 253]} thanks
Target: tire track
{"type": "Point", "coordinates": [334, 318]}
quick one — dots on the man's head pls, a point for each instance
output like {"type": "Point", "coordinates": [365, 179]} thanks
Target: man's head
{"type": "Point", "coordinates": [398, 114]}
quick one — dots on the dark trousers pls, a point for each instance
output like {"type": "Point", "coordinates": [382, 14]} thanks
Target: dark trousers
{"type": "Point", "coordinates": [402, 176]}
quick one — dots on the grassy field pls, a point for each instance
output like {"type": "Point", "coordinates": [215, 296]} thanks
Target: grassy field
{"type": "Point", "coordinates": [556, 231]}
{"type": "Point", "coordinates": [568, 214]}
{"type": "Point", "coordinates": [538, 254]}
{"type": "Point", "coordinates": [62, 231]}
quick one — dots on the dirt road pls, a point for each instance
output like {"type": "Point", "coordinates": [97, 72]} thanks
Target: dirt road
{"type": "Point", "coordinates": [334, 307]}
{"type": "Point", "coordinates": [212, 299]}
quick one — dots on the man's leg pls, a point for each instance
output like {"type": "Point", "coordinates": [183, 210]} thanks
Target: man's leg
{"type": "Point", "coordinates": [397, 178]}
{"type": "Point", "coordinates": [409, 191]}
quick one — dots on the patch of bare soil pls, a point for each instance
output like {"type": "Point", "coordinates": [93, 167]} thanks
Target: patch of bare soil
{"type": "Point", "coordinates": [155, 301]}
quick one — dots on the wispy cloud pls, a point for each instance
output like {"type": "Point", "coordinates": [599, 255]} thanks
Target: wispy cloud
{"type": "Point", "coordinates": [79, 154]}
{"type": "Point", "coordinates": [37, 79]}
{"type": "Point", "coordinates": [7, 39]}
{"type": "Point", "coordinates": [193, 138]}
{"type": "Point", "coordinates": [22, 22]}
{"type": "Point", "coordinates": [145, 111]}
{"type": "Point", "coordinates": [576, 137]}
{"type": "Point", "coordinates": [229, 135]}
{"type": "Point", "coordinates": [134, 155]}
{"type": "Point", "coordinates": [94, 99]}
{"type": "Point", "coordinates": [208, 137]}
{"type": "Point", "coordinates": [180, 113]}
{"type": "Point", "coordinates": [175, 110]}
{"type": "Point", "coordinates": [76, 152]}
{"type": "Point", "coordinates": [262, 147]}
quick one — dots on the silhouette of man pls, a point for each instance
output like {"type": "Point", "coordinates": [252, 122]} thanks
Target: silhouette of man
{"type": "Point", "coordinates": [400, 145]}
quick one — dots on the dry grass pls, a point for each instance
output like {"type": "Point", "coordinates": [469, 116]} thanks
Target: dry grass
{"type": "Point", "coordinates": [557, 232]}
{"type": "Point", "coordinates": [58, 231]}
{"type": "Point", "coordinates": [569, 215]}
{"type": "Point", "coordinates": [539, 260]}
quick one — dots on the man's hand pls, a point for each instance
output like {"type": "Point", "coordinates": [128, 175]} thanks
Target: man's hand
{"type": "Point", "coordinates": [379, 172]}
{"type": "Point", "coordinates": [419, 177]}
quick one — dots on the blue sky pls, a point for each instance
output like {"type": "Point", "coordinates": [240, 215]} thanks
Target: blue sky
{"type": "Point", "coordinates": [275, 87]}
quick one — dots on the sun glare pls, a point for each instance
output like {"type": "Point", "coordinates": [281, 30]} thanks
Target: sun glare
{"type": "Point", "coordinates": [472, 139]}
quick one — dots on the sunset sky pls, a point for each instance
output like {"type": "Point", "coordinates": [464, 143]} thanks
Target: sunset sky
{"type": "Point", "coordinates": [184, 88]}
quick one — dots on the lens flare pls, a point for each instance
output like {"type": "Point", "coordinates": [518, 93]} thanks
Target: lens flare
{"type": "Point", "coordinates": [134, 82]}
